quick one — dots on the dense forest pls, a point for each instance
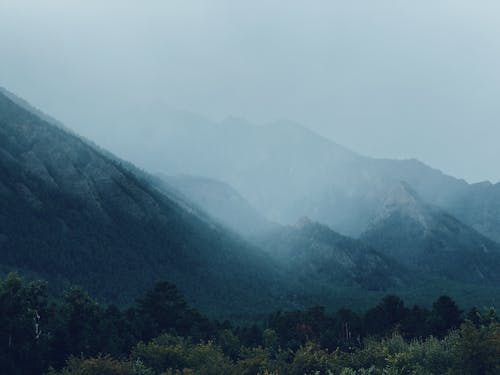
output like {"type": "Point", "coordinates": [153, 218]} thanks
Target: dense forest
{"type": "Point", "coordinates": [161, 334]}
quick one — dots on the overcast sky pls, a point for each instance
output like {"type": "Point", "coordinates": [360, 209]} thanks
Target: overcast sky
{"type": "Point", "coordinates": [395, 79]}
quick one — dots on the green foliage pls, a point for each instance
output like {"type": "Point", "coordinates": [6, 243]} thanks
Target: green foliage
{"type": "Point", "coordinates": [162, 353]}
{"type": "Point", "coordinates": [162, 335]}
{"type": "Point", "coordinates": [96, 366]}
{"type": "Point", "coordinates": [470, 350]}
{"type": "Point", "coordinates": [254, 361]}
{"type": "Point", "coordinates": [170, 353]}
{"type": "Point", "coordinates": [229, 342]}
{"type": "Point", "coordinates": [445, 316]}
{"type": "Point", "coordinates": [432, 355]}
{"type": "Point", "coordinates": [23, 325]}
{"type": "Point", "coordinates": [311, 359]}
{"type": "Point", "coordinates": [163, 309]}
{"type": "Point", "coordinates": [477, 349]}
{"type": "Point", "coordinates": [386, 315]}
{"type": "Point", "coordinates": [270, 340]}
{"type": "Point", "coordinates": [80, 315]}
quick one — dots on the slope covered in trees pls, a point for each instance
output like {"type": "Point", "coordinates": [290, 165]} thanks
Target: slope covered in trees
{"type": "Point", "coordinates": [431, 241]}
{"type": "Point", "coordinates": [314, 253]}
{"type": "Point", "coordinates": [73, 215]}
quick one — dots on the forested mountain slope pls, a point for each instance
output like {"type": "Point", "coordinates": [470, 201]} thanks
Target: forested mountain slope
{"type": "Point", "coordinates": [71, 214]}
{"type": "Point", "coordinates": [314, 252]}
{"type": "Point", "coordinates": [431, 241]}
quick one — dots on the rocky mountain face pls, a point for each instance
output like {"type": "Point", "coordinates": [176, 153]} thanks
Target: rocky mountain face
{"type": "Point", "coordinates": [73, 215]}
{"type": "Point", "coordinates": [431, 241]}
{"type": "Point", "coordinates": [311, 250]}
{"type": "Point", "coordinates": [286, 171]}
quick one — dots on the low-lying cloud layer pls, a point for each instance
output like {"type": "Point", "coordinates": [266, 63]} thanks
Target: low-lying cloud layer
{"type": "Point", "coordinates": [386, 78]}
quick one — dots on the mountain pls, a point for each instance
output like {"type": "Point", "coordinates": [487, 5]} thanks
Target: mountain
{"type": "Point", "coordinates": [428, 240]}
{"type": "Point", "coordinates": [72, 214]}
{"type": "Point", "coordinates": [219, 200]}
{"type": "Point", "coordinates": [310, 250]}
{"type": "Point", "coordinates": [286, 171]}
{"type": "Point", "coordinates": [478, 205]}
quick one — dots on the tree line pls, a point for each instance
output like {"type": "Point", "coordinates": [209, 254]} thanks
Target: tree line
{"type": "Point", "coordinates": [162, 334]}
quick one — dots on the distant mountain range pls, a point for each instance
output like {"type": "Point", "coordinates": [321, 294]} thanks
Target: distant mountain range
{"type": "Point", "coordinates": [73, 213]}
{"type": "Point", "coordinates": [286, 171]}
{"type": "Point", "coordinates": [416, 215]}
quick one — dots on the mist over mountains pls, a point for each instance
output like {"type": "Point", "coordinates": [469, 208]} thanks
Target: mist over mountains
{"type": "Point", "coordinates": [239, 217]}
{"type": "Point", "coordinates": [73, 215]}
{"type": "Point", "coordinates": [219, 199]}
{"type": "Point", "coordinates": [249, 188]}
{"type": "Point", "coordinates": [286, 171]}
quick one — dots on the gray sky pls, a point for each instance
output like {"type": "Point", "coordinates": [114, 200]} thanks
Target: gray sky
{"type": "Point", "coordinates": [393, 79]}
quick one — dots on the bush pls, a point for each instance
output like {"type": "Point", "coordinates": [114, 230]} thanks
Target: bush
{"type": "Point", "coordinates": [174, 354]}
{"type": "Point", "coordinates": [96, 366]}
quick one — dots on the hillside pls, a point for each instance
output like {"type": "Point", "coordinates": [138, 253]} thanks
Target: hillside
{"type": "Point", "coordinates": [73, 215]}
{"type": "Point", "coordinates": [313, 252]}
{"type": "Point", "coordinates": [220, 200]}
{"type": "Point", "coordinates": [431, 241]}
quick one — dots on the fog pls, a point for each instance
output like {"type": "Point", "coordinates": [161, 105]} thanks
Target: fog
{"type": "Point", "coordinates": [393, 79]}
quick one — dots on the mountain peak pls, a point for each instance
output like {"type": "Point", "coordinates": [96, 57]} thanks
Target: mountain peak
{"type": "Point", "coordinates": [303, 222]}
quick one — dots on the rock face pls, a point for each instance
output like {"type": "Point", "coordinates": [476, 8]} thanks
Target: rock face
{"type": "Point", "coordinates": [431, 241]}
{"type": "Point", "coordinates": [311, 250]}
{"type": "Point", "coordinates": [71, 214]}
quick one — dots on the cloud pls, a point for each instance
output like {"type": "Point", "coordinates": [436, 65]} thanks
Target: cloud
{"type": "Point", "coordinates": [387, 78]}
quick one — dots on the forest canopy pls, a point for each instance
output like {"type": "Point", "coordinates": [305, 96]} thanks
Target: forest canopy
{"type": "Point", "coordinates": [161, 334]}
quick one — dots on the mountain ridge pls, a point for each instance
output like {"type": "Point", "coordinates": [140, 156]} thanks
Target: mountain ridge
{"type": "Point", "coordinates": [287, 171]}
{"type": "Point", "coordinates": [72, 214]}
{"type": "Point", "coordinates": [310, 248]}
{"type": "Point", "coordinates": [428, 239]}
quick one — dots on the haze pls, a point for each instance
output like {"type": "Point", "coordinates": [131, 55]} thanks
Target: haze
{"type": "Point", "coordinates": [394, 79]}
